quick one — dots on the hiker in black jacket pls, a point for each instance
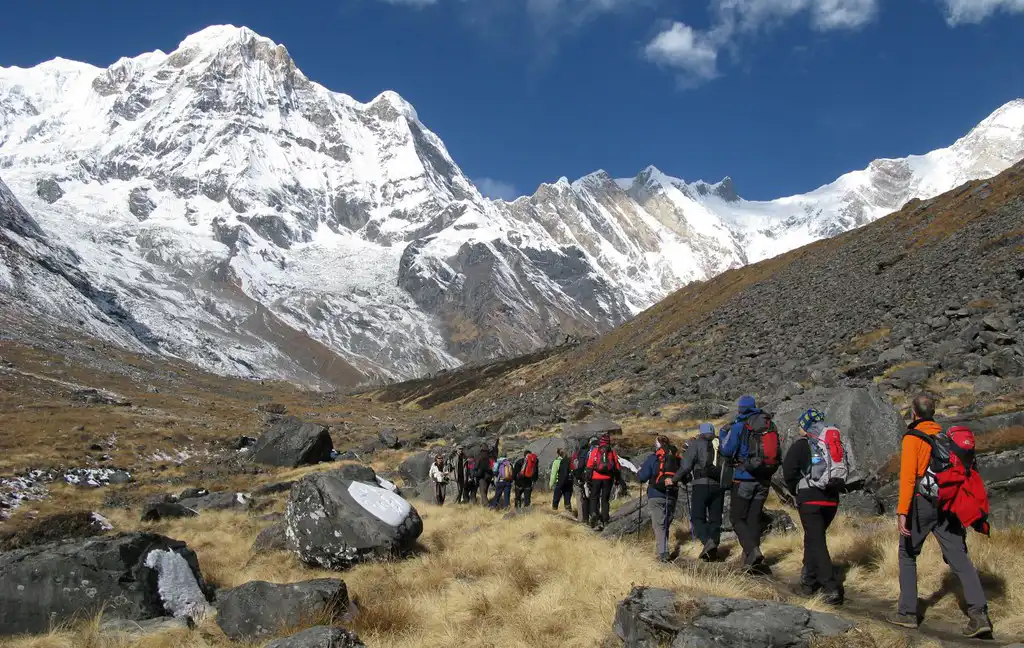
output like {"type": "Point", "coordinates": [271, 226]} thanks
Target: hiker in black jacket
{"type": "Point", "coordinates": [578, 464]}
{"type": "Point", "coordinates": [817, 508]}
{"type": "Point", "coordinates": [485, 472]}
{"type": "Point", "coordinates": [707, 497]}
{"type": "Point", "coordinates": [562, 481]}
{"type": "Point", "coordinates": [524, 484]}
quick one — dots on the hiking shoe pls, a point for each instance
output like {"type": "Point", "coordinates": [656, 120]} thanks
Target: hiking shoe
{"type": "Point", "coordinates": [904, 620]}
{"type": "Point", "coordinates": [978, 625]}
{"type": "Point", "coordinates": [755, 559]}
{"type": "Point", "coordinates": [709, 552]}
{"type": "Point", "coordinates": [833, 598]}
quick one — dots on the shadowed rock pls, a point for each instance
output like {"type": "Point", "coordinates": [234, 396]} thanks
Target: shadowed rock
{"type": "Point", "coordinates": [319, 637]}
{"type": "Point", "coordinates": [259, 609]}
{"type": "Point", "coordinates": [291, 442]}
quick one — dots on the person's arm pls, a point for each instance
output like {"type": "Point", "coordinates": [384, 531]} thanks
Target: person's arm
{"type": "Point", "coordinates": [911, 450]}
{"type": "Point", "coordinates": [729, 440]}
{"type": "Point", "coordinates": [646, 469]}
{"type": "Point", "coordinates": [795, 464]}
{"type": "Point", "coordinates": [688, 462]}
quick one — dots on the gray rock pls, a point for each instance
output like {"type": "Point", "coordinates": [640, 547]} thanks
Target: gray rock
{"type": "Point", "coordinates": [870, 425]}
{"type": "Point", "coordinates": [259, 609]}
{"type": "Point", "coordinates": [277, 487]}
{"type": "Point", "coordinates": [893, 355]}
{"type": "Point", "coordinates": [273, 538]}
{"type": "Point", "coordinates": [140, 204]}
{"type": "Point", "coordinates": [589, 429]}
{"type": "Point", "coordinates": [651, 617]}
{"type": "Point", "coordinates": [49, 190]}
{"type": "Point", "coordinates": [356, 472]}
{"type": "Point", "coordinates": [334, 523]}
{"type": "Point", "coordinates": [389, 439]}
{"type": "Point", "coordinates": [987, 385]}
{"type": "Point", "coordinates": [135, 629]}
{"type": "Point", "coordinates": [61, 581]}
{"type": "Point", "coordinates": [906, 377]}
{"type": "Point", "coordinates": [995, 322]}
{"type": "Point", "coordinates": [291, 442]}
{"type": "Point", "coordinates": [1004, 363]}
{"type": "Point", "coordinates": [222, 501]}
{"type": "Point", "coordinates": [862, 503]}
{"type": "Point", "coordinates": [157, 511]}
{"type": "Point", "coordinates": [939, 322]}
{"type": "Point", "coordinates": [994, 340]}
{"type": "Point", "coordinates": [319, 637]}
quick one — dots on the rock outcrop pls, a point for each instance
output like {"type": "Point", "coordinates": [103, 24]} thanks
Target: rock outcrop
{"type": "Point", "coordinates": [291, 442]}
{"type": "Point", "coordinates": [319, 637]}
{"type": "Point", "coordinates": [258, 610]}
{"type": "Point", "coordinates": [132, 576]}
{"type": "Point", "coordinates": [650, 617]}
{"type": "Point", "coordinates": [334, 523]}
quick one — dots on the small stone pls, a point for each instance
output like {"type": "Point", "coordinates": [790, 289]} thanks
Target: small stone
{"type": "Point", "coordinates": [987, 385]}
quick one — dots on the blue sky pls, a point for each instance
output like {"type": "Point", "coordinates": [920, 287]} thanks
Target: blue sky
{"type": "Point", "coordinates": [782, 95]}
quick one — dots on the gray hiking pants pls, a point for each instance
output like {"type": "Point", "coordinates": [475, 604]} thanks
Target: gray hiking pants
{"type": "Point", "coordinates": [662, 510]}
{"type": "Point", "coordinates": [926, 519]}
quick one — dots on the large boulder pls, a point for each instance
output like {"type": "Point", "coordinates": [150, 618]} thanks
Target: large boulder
{"type": "Point", "coordinates": [319, 637]}
{"type": "Point", "coordinates": [291, 442]}
{"type": "Point", "coordinates": [546, 450]}
{"type": "Point", "coordinates": [132, 576]}
{"type": "Point", "coordinates": [258, 609]}
{"type": "Point", "coordinates": [52, 528]}
{"type": "Point", "coordinates": [157, 511]}
{"type": "Point", "coordinates": [389, 439]}
{"type": "Point", "coordinates": [356, 472]}
{"type": "Point", "coordinates": [651, 617]}
{"type": "Point", "coordinates": [222, 501]}
{"type": "Point", "coordinates": [416, 468]}
{"type": "Point", "coordinates": [590, 429]}
{"type": "Point", "coordinates": [334, 523]}
{"type": "Point", "coordinates": [871, 426]}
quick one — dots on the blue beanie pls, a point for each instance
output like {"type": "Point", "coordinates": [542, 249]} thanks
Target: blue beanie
{"type": "Point", "coordinates": [747, 403]}
{"type": "Point", "coordinates": [706, 429]}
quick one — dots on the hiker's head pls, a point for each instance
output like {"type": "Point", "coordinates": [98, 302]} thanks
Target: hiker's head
{"type": "Point", "coordinates": [706, 429]}
{"type": "Point", "coordinates": [662, 442]}
{"type": "Point", "coordinates": [923, 407]}
{"type": "Point", "coordinates": [809, 418]}
{"type": "Point", "coordinates": [604, 441]}
{"type": "Point", "coordinates": [458, 449]}
{"type": "Point", "coordinates": [746, 404]}
{"type": "Point", "coordinates": [438, 459]}
{"type": "Point", "coordinates": [526, 453]}
{"type": "Point", "coordinates": [592, 442]}
{"type": "Point", "coordinates": [561, 452]}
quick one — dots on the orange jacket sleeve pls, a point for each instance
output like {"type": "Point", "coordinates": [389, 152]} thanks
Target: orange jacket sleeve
{"type": "Point", "coordinates": [914, 457]}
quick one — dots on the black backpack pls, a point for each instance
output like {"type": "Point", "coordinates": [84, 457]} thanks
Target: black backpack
{"type": "Point", "coordinates": [668, 464]}
{"type": "Point", "coordinates": [705, 466]}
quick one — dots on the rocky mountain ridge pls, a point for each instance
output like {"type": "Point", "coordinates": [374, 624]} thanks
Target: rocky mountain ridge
{"type": "Point", "coordinates": [255, 223]}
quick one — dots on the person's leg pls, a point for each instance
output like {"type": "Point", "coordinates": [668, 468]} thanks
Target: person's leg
{"type": "Point", "coordinates": [527, 495]}
{"type": "Point", "coordinates": [952, 539]}
{"type": "Point", "coordinates": [656, 511]}
{"type": "Point", "coordinates": [519, 496]}
{"type": "Point", "coordinates": [508, 493]}
{"type": "Point", "coordinates": [557, 497]}
{"type": "Point", "coordinates": [606, 500]}
{"type": "Point", "coordinates": [826, 570]}
{"type": "Point", "coordinates": [810, 520]}
{"type": "Point", "coordinates": [595, 502]}
{"type": "Point", "coordinates": [567, 494]}
{"type": "Point", "coordinates": [716, 508]}
{"type": "Point", "coordinates": [583, 504]}
{"type": "Point", "coordinates": [439, 493]}
{"type": "Point", "coordinates": [754, 520]}
{"type": "Point", "coordinates": [923, 518]}
{"type": "Point", "coordinates": [699, 512]}
{"type": "Point", "coordinates": [739, 506]}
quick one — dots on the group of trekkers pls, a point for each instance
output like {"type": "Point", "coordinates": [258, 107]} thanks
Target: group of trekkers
{"type": "Point", "coordinates": [940, 493]}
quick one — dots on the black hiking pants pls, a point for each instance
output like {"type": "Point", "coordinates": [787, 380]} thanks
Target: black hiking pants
{"type": "Point", "coordinates": [439, 493]}
{"type": "Point", "coordinates": [461, 492]}
{"type": "Point", "coordinates": [471, 488]}
{"type": "Point", "coordinates": [746, 506]}
{"type": "Point", "coordinates": [818, 570]}
{"type": "Point", "coordinates": [483, 486]}
{"type": "Point", "coordinates": [563, 492]}
{"type": "Point", "coordinates": [600, 500]}
{"type": "Point", "coordinates": [523, 495]}
{"type": "Point", "coordinates": [707, 501]}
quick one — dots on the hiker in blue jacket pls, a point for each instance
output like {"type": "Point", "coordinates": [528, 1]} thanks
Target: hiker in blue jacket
{"type": "Point", "coordinates": [749, 492]}
{"type": "Point", "coordinates": [662, 494]}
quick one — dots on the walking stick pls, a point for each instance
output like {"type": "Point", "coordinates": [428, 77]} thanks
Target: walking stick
{"type": "Point", "coordinates": [639, 514]}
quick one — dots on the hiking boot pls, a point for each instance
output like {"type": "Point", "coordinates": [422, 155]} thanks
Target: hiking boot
{"type": "Point", "coordinates": [755, 559]}
{"type": "Point", "coordinates": [978, 625]}
{"type": "Point", "coordinates": [833, 598]}
{"type": "Point", "coordinates": [904, 620]}
{"type": "Point", "coordinates": [710, 551]}
{"type": "Point", "coordinates": [664, 558]}
{"type": "Point", "coordinates": [807, 589]}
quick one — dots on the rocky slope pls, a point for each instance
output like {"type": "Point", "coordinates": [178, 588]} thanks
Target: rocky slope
{"type": "Point", "coordinates": [258, 224]}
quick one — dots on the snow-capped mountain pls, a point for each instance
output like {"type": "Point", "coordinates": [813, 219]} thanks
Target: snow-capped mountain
{"type": "Point", "coordinates": [251, 221]}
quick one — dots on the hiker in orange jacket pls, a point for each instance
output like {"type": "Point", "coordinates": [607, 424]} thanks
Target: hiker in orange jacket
{"type": "Point", "coordinates": [918, 517]}
{"type": "Point", "coordinates": [603, 470]}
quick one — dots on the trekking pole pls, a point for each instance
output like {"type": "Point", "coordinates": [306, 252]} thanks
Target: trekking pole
{"type": "Point", "coordinates": [639, 514]}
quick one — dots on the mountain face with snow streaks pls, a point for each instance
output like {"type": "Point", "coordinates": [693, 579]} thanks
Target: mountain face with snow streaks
{"type": "Point", "coordinates": [246, 219]}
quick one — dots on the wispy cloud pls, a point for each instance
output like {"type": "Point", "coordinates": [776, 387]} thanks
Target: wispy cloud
{"type": "Point", "coordinates": [496, 188]}
{"type": "Point", "coordinates": [960, 12]}
{"type": "Point", "coordinates": [694, 54]}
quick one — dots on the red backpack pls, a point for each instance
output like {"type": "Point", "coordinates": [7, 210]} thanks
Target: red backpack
{"type": "Point", "coordinates": [951, 480]}
{"type": "Point", "coordinates": [530, 466]}
{"type": "Point", "coordinates": [764, 449]}
{"type": "Point", "coordinates": [605, 462]}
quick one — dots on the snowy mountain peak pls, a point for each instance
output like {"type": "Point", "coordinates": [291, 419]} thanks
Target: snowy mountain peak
{"type": "Point", "coordinates": [218, 206]}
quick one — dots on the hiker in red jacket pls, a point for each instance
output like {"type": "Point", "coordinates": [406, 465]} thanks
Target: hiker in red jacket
{"type": "Point", "coordinates": [603, 470]}
{"type": "Point", "coordinates": [526, 472]}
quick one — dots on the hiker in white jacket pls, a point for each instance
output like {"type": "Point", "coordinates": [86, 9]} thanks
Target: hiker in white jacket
{"type": "Point", "coordinates": [439, 476]}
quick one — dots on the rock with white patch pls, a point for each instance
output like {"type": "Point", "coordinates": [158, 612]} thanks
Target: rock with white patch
{"type": "Point", "coordinates": [132, 576]}
{"type": "Point", "coordinates": [334, 523]}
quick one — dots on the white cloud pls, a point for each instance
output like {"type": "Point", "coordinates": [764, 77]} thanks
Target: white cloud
{"type": "Point", "coordinates": [683, 48]}
{"type": "Point", "coordinates": [960, 12]}
{"type": "Point", "coordinates": [496, 188]}
{"type": "Point", "coordinates": [695, 53]}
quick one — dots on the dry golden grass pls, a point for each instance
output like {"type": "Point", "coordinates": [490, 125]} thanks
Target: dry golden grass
{"type": "Point", "coordinates": [865, 340]}
{"type": "Point", "coordinates": [482, 580]}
